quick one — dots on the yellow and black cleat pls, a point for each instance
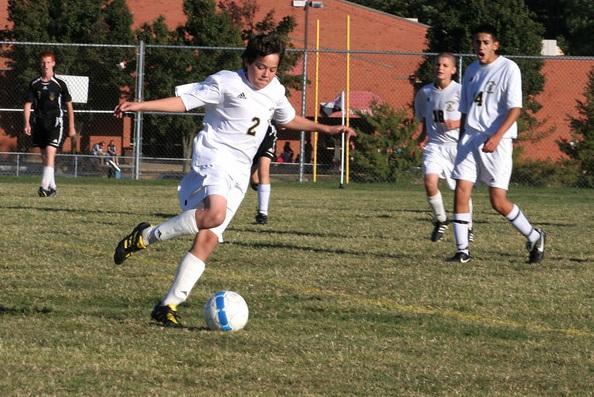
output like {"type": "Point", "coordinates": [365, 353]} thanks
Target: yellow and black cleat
{"type": "Point", "coordinates": [167, 316]}
{"type": "Point", "coordinates": [130, 244]}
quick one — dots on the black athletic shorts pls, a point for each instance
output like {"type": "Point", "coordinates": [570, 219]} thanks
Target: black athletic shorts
{"type": "Point", "coordinates": [268, 146]}
{"type": "Point", "coordinates": [47, 131]}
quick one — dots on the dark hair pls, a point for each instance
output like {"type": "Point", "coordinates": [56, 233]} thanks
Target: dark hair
{"type": "Point", "coordinates": [46, 54]}
{"type": "Point", "coordinates": [486, 28]}
{"type": "Point", "coordinates": [263, 45]}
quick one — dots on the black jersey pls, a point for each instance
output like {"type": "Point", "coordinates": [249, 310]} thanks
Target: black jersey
{"type": "Point", "coordinates": [48, 98]}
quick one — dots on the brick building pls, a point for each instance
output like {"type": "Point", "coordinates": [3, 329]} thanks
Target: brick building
{"type": "Point", "coordinates": [374, 75]}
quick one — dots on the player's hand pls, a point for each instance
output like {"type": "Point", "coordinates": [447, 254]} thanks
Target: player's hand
{"type": "Point", "coordinates": [71, 132]}
{"type": "Point", "coordinates": [125, 107]}
{"type": "Point", "coordinates": [451, 124]}
{"type": "Point", "coordinates": [27, 130]}
{"type": "Point", "coordinates": [491, 144]}
{"type": "Point", "coordinates": [342, 129]}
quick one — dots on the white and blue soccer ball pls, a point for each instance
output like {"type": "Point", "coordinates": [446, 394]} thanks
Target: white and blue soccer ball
{"type": "Point", "coordinates": [226, 311]}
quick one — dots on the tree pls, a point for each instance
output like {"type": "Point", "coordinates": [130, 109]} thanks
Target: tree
{"type": "Point", "coordinates": [165, 68]}
{"type": "Point", "coordinates": [518, 35]}
{"type": "Point", "coordinates": [581, 147]}
{"type": "Point", "coordinates": [206, 26]}
{"type": "Point", "coordinates": [387, 148]}
{"type": "Point", "coordinates": [571, 22]}
{"type": "Point", "coordinates": [69, 21]}
{"type": "Point", "coordinates": [244, 14]}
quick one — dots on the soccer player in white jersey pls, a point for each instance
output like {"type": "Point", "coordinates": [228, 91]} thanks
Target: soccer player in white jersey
{"type": "Point", "coordinates": [239, 106]}
{"type": "Point", "coordinates": [490, 103]}
{"type": "Point", "coordinates": [436, 106]}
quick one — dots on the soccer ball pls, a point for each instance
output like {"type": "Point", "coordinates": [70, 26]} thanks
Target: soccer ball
{"type": "Point", "coordinates": [226, 311]}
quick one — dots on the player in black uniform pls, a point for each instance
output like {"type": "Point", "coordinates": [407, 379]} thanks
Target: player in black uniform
{"type": "Point", "coordinates": [260, 178]}
{"type": "Point", "coordinates": [48, 98]}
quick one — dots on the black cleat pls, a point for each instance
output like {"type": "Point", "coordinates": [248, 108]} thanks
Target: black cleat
{"type": "Point", "coordinates": [261, 219]}
{"type": "Point", "coordinates": [52, 192]}
{"type": "Point", "coordinates": [42, 192]}
{"type": "Point", "coordinates": [439, 230]}
{"type": "Point", "coordinates": [537, 249]}
{"type": "Point", "coordinates": [166, 315]}
{"type": "Point", "coordinates": [460, 257]}
{"type": "Point", "coordinates": [130, 244]}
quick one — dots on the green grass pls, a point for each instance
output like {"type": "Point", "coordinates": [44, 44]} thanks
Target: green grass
{"type": "Point", "coordinates": [347, 296]}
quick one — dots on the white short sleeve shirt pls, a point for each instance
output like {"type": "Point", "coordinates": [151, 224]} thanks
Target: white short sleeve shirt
{"type": "Point", "coordinates": [433, 106]}
{"type": "Point", "coordinates": [236, 116]}
{"type": "Point", "coordinates": [488, 93]}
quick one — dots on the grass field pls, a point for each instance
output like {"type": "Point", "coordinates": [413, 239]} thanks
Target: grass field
{"type": "Point", "coordinates": [347, 296]}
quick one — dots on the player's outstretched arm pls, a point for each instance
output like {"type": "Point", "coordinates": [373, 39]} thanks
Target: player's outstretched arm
{"type": "Point", "coordinates": [302, 124]}
{"type": "Point", "coordinates": [171, 104]}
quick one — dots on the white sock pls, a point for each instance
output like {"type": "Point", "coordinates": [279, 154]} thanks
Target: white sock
{"type": "Point", "coordinates": [521, 223]}
{"type": "Point", "coordinates": [436, 204]}
{"type": "Point", "coordinates": [461, 222]}
{"type": "Point", "coordinates": [47, 177]}
{"type": "Point", "coordinates": [188, 272]}
{"type": "Point", "coordinates": [184, 223]}
{"type": "Point", "coordinates": [263, 198]}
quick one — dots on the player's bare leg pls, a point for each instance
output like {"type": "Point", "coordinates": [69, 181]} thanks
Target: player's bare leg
{"type": "Point", "coordinates": [535, 243]}
{"type": "Point", "coordinates": [188, 222]}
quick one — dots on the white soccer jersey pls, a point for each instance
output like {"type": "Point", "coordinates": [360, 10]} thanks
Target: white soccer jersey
{"type": "Point", "coordinates": [433, 106]}
{"type": "Point", "coordinates": [488, 93]}
{"type": "Point", "coordinates": [236, 117]}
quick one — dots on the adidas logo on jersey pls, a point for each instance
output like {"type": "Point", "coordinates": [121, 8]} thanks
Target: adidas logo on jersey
{"type": "Point", "coordinates": [242, 96]}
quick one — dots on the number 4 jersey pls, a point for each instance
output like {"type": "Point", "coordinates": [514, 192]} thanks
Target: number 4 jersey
{"type": "Point", "coordinates": [433, 106]}
{"type": "Point", "coordinates": [488, 93]}
{"type": "Point", "coordinates": [236, 118]}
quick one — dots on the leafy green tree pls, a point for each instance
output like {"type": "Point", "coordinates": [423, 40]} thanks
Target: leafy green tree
{"type": "Point", "coordinates": [580, 147]}
{"type": "Point", "coordinates": [166, 67]}
{"type": "Point", "coordinates": [518, 35]}
{"type": "Point", "coordinates": [386, 149]}
{"type": "Point", "coordinates": [69, 21]}
{"type": "Point", "coordinates": [244, 14]}
{"type": "Point", "coordinates": [571, 22]}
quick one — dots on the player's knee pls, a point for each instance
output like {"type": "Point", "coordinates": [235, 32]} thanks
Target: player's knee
{"type": "Point", "coordinates": [212, 218]}
{"type": "Point", "coordinates": [500, 205]}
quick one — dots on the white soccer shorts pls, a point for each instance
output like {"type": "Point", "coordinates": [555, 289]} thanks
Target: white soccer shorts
{"type": "Point", "coordinates": [196, 186]}
{"type": "Point", "coordinates": [439, 159]}
{"type": "Point", "coordinates": [474, 165]}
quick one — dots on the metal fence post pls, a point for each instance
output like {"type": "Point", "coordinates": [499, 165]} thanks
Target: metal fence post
{"type": "Point", "coordinates": [139, 97]}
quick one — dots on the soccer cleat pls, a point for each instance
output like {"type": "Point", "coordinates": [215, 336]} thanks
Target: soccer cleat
{"type": "Point", "coordinates": [166, 315]}
{"type": "Point", "coordinates": [537, 249]}
{"type": "Point", "coordinates": [52, 192]}
{"type": "Point", "coordinates": [261, 219]}
{"type": "Point", "coordinates": [439, 230]}
{"type": "Point", "coordinates": [460, 257]}
{"type": "Point", "coordinates": [42, 192]}
{"type": "Point", "coordinates": [130, 244]}
{"type": "Point", "coordinates": [470, 236]}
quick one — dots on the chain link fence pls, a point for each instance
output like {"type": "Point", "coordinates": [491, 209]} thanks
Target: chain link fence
{"type": "Point", "coordinates": [158, 145]}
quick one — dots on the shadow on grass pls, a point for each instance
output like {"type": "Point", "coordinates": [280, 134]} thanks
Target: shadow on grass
{"type": "Point", "coordinates": [338, 251]}
{"type": "Point", "coordinates": [24, 310]}
{"type": "Point", "coordinates": [87, 211]}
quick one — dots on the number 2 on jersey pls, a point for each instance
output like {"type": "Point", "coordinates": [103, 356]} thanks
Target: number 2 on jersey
{"type": "Point", "coordinates": [252, 130]}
